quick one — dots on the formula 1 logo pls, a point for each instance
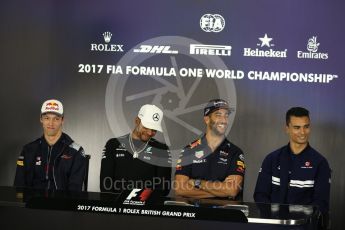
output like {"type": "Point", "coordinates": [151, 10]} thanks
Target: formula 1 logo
{"type": "Point", "coordinates": [138, 196]}
{"type": "Point", "coordinates": [212, 23]}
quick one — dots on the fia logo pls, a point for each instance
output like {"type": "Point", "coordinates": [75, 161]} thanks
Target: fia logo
{"type": "Point", "coordinates": [212, 23]}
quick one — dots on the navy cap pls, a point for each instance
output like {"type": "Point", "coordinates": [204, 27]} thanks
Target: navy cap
{"type": "Point", "coordinates": [216, 104]}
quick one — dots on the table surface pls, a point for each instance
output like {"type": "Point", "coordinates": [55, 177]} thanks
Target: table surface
{"type": "Point", "coordinates": [280, 214]}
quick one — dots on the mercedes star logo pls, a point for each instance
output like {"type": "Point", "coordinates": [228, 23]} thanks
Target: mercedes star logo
{"type": "Point", "coordinates": [155, 117]}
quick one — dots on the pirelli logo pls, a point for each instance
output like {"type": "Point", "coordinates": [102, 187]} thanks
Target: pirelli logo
{"type": "Point", "coordinates": [212, 50]}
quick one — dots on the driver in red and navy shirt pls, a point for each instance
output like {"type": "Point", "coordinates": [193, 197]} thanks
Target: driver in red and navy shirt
{"type": "Point", "coordinates": [211, 166]}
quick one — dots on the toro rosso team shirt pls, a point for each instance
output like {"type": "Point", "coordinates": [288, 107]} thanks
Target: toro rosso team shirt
{"type": "Point", "coordinates": [58, 167]}
{"type": "Point", "coordinates": [197, 161]}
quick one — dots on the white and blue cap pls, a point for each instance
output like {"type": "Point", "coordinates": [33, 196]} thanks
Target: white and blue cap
{"type": "Point", "coordinates": [151, 117]}
{"type": "Point", "coordinates": [216, 104]}
{"type": "Point", "coordinates": [52, 106]}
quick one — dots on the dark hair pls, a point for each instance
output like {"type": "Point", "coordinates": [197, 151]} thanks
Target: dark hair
{"type": "Point", "coordinates": [296, 112]}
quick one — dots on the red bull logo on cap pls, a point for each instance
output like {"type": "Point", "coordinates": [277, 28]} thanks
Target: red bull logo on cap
{"type": "Point", "coordinates": [53, 106]}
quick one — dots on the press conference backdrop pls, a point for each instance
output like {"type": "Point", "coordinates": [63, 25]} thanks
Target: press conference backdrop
{"type": "Point", "coordinates": [105, 59]}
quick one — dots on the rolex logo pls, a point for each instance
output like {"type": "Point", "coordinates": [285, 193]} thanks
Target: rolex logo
{"type": "Point", "coordinates": [107, 36]}
{"type": "Point", "coordinates": [107, 46]}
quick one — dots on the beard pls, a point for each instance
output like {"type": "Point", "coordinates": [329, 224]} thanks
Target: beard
{"type": "Point", "coordinates": [214, 128]}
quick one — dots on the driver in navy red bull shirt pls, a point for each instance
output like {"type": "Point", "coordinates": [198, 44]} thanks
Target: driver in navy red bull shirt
{"type": "Point", "coordinates": [211, 166]}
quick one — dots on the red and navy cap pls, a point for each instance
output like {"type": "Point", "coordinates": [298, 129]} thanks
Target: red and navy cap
{"type": "Point", "coordinates": [216, 104]}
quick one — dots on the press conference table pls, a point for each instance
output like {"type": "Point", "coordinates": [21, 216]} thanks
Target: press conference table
{"type": "Point", "coordinates": [25, 208]}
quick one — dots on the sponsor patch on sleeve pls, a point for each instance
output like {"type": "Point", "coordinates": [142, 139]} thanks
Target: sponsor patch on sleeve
{"type": "Point", "coordinates": [78, 148]}
{"type": "Point", "coordinates": [241, 156]}
{"type": "Point", "coordinates": [82, 152]}
{"type": "Point", "coordinates": [75, 146]}
{"type": "Point", "coordinates": [195, 143]}
{"type": "Point", "coordinates": [240, 169]}
{"type": "Point", "coordinates": [240, 163]}
{"type": "Point", "coordinates": [20, 161]}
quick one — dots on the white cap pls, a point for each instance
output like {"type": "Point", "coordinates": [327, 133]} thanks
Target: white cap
{"type": "Point", "coordinates": [52, 106]}
{"type": "Point", "coordinates": [151, 117]}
